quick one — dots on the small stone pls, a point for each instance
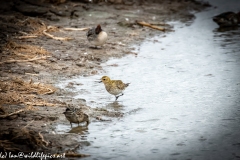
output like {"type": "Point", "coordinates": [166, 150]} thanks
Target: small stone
{"type": "Point", "coordinates": [80, 64]}
{"type": "Point", "coordinates": [52, 118]}
{"type": "Point", "coordinates": [31, 10]}
{"type": "Point", "coordinates": [13, 117]}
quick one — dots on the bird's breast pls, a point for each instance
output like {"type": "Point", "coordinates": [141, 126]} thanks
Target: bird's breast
{"type": "Point", "coordinates": [102, 38]}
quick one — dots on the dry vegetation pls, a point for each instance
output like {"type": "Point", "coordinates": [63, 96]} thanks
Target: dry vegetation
{"type": "Point", "coordinates": [19, 96]}
{"type": "Point", "coordinates": [18, 91]}
{"type": "Point", "coordinates": [22, 53]}
{"type": "Point", "coordinates": [21, 40]}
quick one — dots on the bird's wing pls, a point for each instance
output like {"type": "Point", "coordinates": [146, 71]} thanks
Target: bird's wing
{"type": "Point", "coordinates": [90, 32]}
{"type": "Point", "coordinates": [119, 84]}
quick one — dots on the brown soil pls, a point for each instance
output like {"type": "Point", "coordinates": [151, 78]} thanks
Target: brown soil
{"type": "Point", "coordinates": [37, 51]}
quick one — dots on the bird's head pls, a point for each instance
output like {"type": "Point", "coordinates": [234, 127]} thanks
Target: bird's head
{"type": "Point", "coordinates": [67, 110]}
{"type": "Point", "coordinates": [98, 29]}
{"type": "Point", "coordinates": [105, 79]}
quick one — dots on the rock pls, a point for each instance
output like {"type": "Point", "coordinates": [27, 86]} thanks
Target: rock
{"type": "Point", "coordinates": [36, 70]}
{"type": "Point", "coordinates": [57, 2]}
{"type": "Point", "coordinates": [94, 72]}
{"type": "Point", "coordinates": [30, 10]}
{"type": "Point", "coordinates": [52, 59]}
{"type": "Point", "coordinates": [52, 17]}
{"type": "Point", "coordinates": [74, 57]}
{"type": "Point", "coordinates": [65, 57]}
{"type": "Point", "coordinates": [52, 118]}
{"type": "Point", "coordinates": [22, 68]}
{"type": "Point", "coordinates": [36, 3]}
{"type": "Point", "coordinates": [37, 118]}
{"type": "Point", "coordinates": [126, 23]}
{"type": "Point", "coordinates": [26, 68]}
{"type": "Point", "coordinates": [116, 1]}
{"type": "Point", "coordinates": [59, 13]}
{"type": "Point", "coordinates": [18, 71]}
{"type": "Point", "coordinates": [79, 64]}
{"type": "Point", "coordinates": [83, 100]}
{"type": "Point", "coordinates": [57, 56]}
{"type": "Point", "coordinates": [12, 117]}
{"type": "Point", "coordinates": [70, 85]}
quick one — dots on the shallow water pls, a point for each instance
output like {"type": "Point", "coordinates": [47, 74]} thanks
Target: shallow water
{"type": "Point", "coordinates": [183, 100]}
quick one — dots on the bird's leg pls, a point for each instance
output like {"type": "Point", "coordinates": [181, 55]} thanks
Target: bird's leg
{"type": "Point", "coordinates": [71, 124]}
{"type": "Point", "coordinates": [78, 123]}
{"type": "Point", "coordinates": [118, 96]}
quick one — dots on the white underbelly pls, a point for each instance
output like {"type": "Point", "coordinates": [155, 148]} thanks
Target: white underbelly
{"type": "Point", "coordinates": [100, 40]}
{"type": "Point", "coordinates": [116, 92]}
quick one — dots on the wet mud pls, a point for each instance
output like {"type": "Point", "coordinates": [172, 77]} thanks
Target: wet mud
{"type": "Point", "coordinates": [38, 52]}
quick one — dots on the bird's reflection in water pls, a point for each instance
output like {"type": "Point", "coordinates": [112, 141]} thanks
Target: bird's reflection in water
{"type": "Point", "coordinates": [82, 130]}
{"type": "Point", "coordinates": [116, 106]}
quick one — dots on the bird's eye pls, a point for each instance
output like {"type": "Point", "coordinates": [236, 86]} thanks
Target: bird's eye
{"type": "Point", "coordinates": [104, 79]}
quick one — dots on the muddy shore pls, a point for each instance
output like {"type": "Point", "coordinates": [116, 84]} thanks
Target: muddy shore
{"type": "Point", "coordinates": [32, 62]}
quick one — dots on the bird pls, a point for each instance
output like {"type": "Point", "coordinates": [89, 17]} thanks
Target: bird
{"type": "Point", "coordinates": [227, 19]}
{"type": "Point", "coordinates": [96, 36]}
{"type": "Point", "coordinates": [114, 87]}
{"type": "Point", "coordinates": [75, 115]}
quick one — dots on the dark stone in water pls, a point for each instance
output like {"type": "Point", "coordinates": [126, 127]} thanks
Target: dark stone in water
{"type": "Point", "coordinates": [30, 10]}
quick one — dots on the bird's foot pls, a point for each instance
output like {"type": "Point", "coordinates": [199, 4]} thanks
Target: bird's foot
{"type": "Point", "coordinates": [118, 96]}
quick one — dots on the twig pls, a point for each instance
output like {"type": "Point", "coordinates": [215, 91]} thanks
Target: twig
{"type": "Point", "coordinates": [76, 155]}
{"type": "Point", "coordinates": [41, 136]}
{"type": "Point", "coordinates": [76, 29]}
{"type": "Point", "coordinates": [160, 24]}
{"type": "Point", "coordinates": [27, 124]}
{"type": "Point", "coordinates": [31, 74]}
{"type": "Point", "coordinates": [56, 38]}
{"type": "Point", "coordinates": [5, 116]}
{"type": "Point", "coordinates": [149, 25]}
{"type": "Point", "coordinates": [25, 37]}
{"type": "Point", "coordinates": [49, 92]}
{"type": "Point", "coordinates": [27, 60]}
{"type": "Point", "coordinates": [40, 104]}
{"type": "Point", "coordinates": [23, 32]}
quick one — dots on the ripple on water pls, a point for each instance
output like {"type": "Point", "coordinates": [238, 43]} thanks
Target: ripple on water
{"type": "Point", "coordinates": [180, 101]}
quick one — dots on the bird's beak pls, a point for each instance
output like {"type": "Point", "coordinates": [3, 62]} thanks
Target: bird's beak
{"type": "Point", "coordinates": [98, 81]}
{"type": "Point", "coordinates": [63, 112]}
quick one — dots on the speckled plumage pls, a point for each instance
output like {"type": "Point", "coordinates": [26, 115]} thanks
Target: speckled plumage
{"type": "Point", "coordinates": [96, 36]}
{"type": "Point", "coordinates": [227, 19]}
{"type": "Point", "coordinates": [75, 115]}
{"type": "Point", "coordinates": [114, 87]}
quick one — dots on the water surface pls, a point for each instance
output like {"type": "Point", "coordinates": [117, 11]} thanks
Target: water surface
{"type": "Point", "coordinates": [185, 88]}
